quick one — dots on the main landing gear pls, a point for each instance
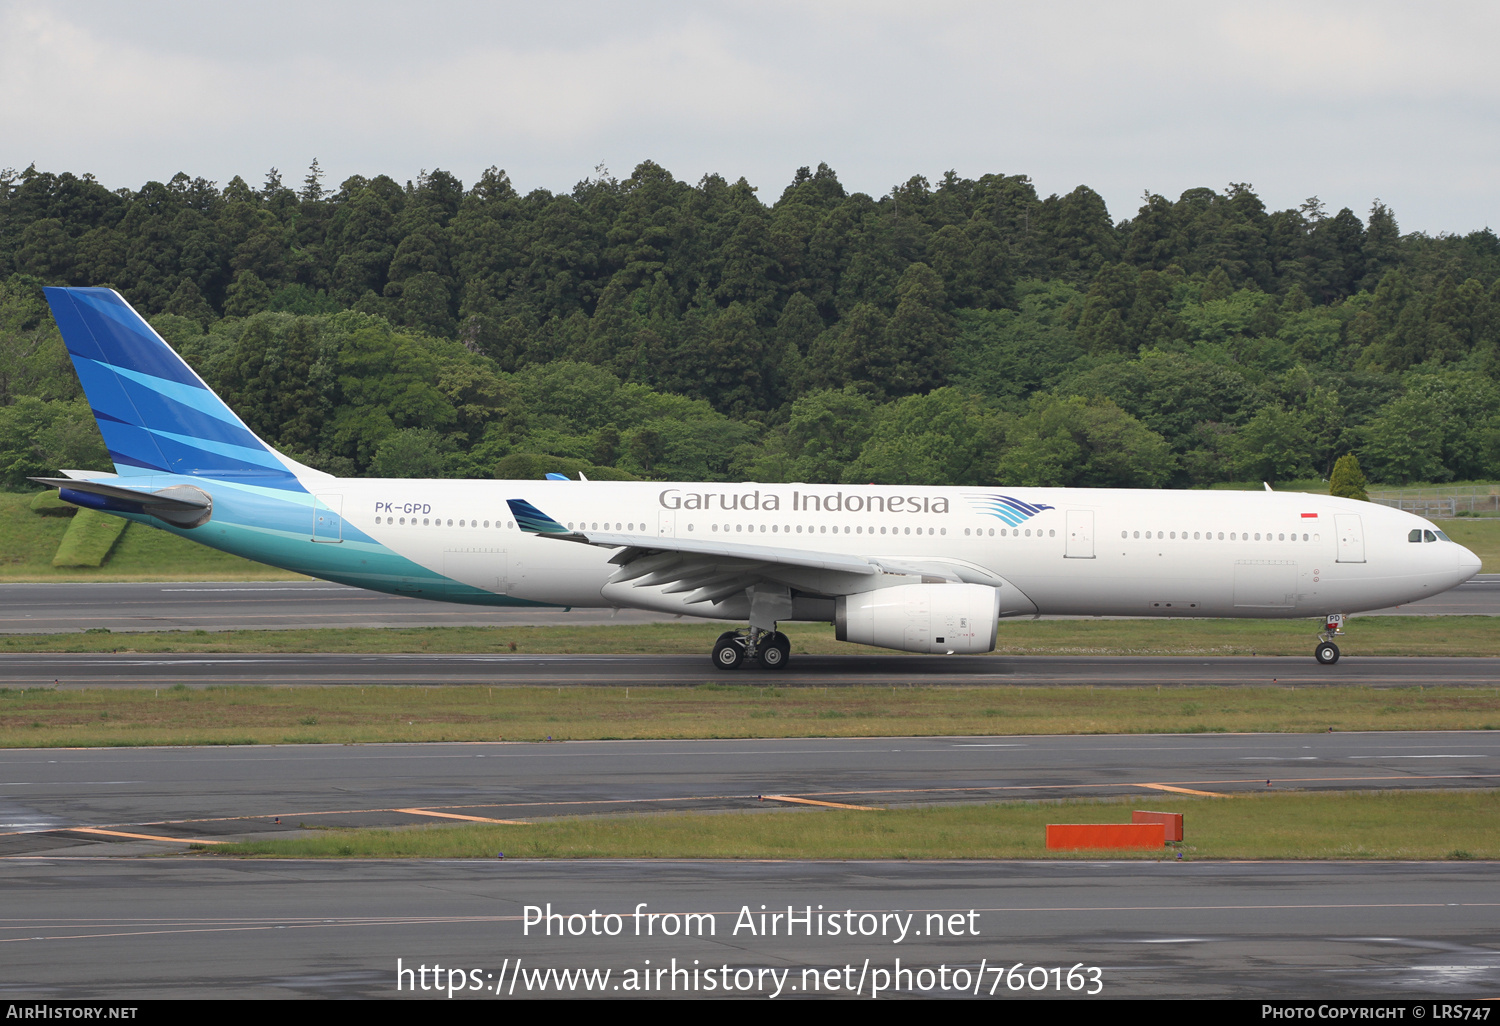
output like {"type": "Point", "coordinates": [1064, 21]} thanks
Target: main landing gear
{"type": "Point", "coordinates": [1327, 652]}
{"type": "Point", "coordinates": [734, 647]}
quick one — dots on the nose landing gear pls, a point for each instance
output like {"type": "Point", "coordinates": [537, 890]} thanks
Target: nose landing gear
{"type": "Point", "coordinates": [1327, 652]}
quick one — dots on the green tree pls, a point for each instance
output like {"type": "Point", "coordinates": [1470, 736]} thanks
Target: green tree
{"type": "Point", "coordinates": [947, 437]}
{"type": "Point", "coordinates": [1347, 480]}
{"type": "Point", "coordinates": [247, 295]}
{"type": "Point", "coordinates": [412, 452]}
{"type": "Point", "coordinates": [1083, 443]}
{"type": "Point", "coordinates": [1274, 446]}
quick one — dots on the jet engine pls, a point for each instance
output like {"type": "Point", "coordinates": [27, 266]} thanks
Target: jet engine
{"type": "Point", "coordinates": [944, 618]}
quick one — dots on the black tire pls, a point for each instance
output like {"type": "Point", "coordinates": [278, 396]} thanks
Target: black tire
{"type": "Point", "coordinates": [776, 652]}
{"type": "Point", "coordinates": [729, 652]}
{"type": "Point", "coordinates": [1327, 653]}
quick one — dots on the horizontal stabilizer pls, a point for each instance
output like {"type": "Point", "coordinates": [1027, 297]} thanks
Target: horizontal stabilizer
{"type": "Point", "coordinates": [181, 506]}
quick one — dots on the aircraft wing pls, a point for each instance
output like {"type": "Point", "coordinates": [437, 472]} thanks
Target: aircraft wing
{"type": "Point", "coordinates": [709, 570]}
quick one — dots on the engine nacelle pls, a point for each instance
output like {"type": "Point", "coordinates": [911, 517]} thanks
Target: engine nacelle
{"type": "Point", "coordinates": [922, 618]}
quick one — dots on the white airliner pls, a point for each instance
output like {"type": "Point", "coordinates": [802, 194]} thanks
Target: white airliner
{"type": "Point", "coordinates": [915, 569]}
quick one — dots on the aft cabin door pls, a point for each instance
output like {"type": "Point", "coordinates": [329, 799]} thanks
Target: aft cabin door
{"type": "Point", "coordinates": [1080, 534]}
{"type": "Point", "coordinates": [328, 519]}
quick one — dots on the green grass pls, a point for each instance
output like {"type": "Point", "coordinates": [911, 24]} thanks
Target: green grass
{"type": "Point", "coordinates": [1342, 825]}
{"type": "Point", "coordinates": [178, 715]}
{"type": "Point", "coordinates": [89, 538]}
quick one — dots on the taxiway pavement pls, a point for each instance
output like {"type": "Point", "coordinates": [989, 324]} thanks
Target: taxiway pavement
{"type": "Point", "coordinates": [143, 800]}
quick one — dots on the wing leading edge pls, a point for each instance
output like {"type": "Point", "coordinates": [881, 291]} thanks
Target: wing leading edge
{"type": "Point", "coordinates": [712, 570]}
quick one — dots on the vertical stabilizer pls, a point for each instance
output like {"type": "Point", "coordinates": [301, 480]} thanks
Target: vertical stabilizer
{"type": "Point", "coordinates": [155, 413]}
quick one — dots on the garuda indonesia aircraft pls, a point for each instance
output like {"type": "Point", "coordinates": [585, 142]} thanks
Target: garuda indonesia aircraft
{"type": "Point", "coordinates": [909, 568]}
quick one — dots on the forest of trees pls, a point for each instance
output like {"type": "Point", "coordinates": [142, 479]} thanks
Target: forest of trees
{"type": "Point", "coordinates": [965, 332]}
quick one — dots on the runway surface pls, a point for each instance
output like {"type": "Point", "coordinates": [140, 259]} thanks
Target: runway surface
{"type": "Point", "coordinates": [77, 923]}
{"type": "Point", "coordinates": [50, 608]}
{"type": "Point", "coordinates": [134, 929]}
{"type": "Point", "coordinates": [167, 669]}
{"type": "Point", "coordinates": [149, 800]}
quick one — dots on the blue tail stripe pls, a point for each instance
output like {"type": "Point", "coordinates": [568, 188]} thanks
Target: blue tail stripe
{"type": "Point", "coordinates": [124, 431]}
{"type": "Point", "coordinates": [189, 459]}
{"type": "Point", "coordinates": [101, 415]}
{"type": "Point", "coordinates": [127, 465]}
{"type": "Point", "coordinates": [198, 398]}
{"type": "Point", "coordinates": [115, 334]}
{"type": "Point", "coordinates": [162, 412]}
{"type": "Point", "coordinates": [257, 457]}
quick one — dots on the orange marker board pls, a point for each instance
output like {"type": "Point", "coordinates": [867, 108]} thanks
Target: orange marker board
{"type": "Point", "coordinates": [1074, 836]}
{"type": "Point", "coordinates": [1171, 820]}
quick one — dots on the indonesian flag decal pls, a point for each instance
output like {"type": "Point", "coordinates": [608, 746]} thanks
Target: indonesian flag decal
{"type": "Point", "coordinates": [1309, 516]}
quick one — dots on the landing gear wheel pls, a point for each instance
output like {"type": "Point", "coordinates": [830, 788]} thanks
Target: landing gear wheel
{"type": "Point", "coordinates": [775, 651]}
{"type": "Point", "coordinates": [729, 651]}
{"type": "Point", "coordinates": [1326, 653]}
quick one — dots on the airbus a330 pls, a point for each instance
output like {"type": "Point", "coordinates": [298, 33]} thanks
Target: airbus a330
{"type": "Point", "coordinates": [915, 569]}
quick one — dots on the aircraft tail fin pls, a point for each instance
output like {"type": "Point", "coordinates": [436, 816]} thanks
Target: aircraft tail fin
{"type": "Point", "coordinates": [155, 413]}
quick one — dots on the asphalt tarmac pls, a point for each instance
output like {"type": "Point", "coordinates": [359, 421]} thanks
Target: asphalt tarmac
{"type": "Point", "coordinates": [124, 930]}
{"type": "Point", "coordinates": [100, 670]}
{"type": "Point", "coordinates": [79, 922]}
{"type": "Point", "coordinates": [50, 608]}
{"type": "Point", "coordinates": [153, 800]}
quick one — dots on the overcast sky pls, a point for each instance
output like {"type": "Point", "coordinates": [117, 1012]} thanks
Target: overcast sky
{"type": "Point", "coordinates": [1346, 101]}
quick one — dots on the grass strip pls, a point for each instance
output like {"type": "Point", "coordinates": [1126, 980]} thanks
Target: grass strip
{"type": "Point", "coordinates": [1343, 825]}
{"type": "Point", "coordinates": [89, 538]}
{"type": "Point", "coordinates": [1371, 635]}
{"type": "Point", "coordinates": [103, 717]}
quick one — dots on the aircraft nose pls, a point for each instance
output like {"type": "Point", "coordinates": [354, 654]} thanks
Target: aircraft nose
{"type": "Point", "coordinates": [1468, 563]}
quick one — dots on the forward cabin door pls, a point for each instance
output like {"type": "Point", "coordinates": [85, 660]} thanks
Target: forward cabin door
{"type": "Point", "coordinates": [1351, 537]}
{"type": "Point", "coordinates": [1080, 534]}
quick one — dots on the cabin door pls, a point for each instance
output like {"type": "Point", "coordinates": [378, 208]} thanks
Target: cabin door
{"type": "Point", "coordinates": [1351, 537]}
{"type": "Point", "coordinates": [1080, 534]}
{"type": "Point", "coordinates": [328, 519]}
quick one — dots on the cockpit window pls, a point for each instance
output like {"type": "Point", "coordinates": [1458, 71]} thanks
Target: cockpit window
{"type": "Point", "coordinates": [1429, 536]}
{"type": "Point", "coordinates": [1415, 535]}
{"type": "Point", "coordinates": [1443, 536]}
